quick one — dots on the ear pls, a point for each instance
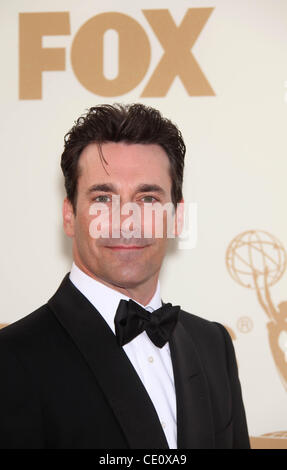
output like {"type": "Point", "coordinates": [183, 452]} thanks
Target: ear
{"type": "Point", "coordinates": [68, 218]}
{"type": "Point", "coordinates": [179, 218]}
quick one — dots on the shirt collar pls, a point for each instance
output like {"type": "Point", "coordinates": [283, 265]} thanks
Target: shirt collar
{"type": "Point", "coordinates": [104, 298]}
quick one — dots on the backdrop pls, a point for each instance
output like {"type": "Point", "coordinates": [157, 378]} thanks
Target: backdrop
{"type": "Point", "coordinates": [219, 70]}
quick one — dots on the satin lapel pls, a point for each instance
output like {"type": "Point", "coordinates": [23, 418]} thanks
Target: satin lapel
{"type": "Point", "coordinates": [195, 428]}
{"type": "Point", "coordinates": [112, 368]}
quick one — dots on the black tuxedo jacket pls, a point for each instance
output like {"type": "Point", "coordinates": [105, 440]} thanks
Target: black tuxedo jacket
{"type": "Point", "coordinates": [65, 383]}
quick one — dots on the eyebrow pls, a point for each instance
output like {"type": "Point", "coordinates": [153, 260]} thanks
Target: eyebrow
{"type": "Point", "coordinates": [104, 187]}
{"type": "Point", "coordinates": [141, 188]}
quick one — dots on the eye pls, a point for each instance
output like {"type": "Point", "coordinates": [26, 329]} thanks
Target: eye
{"type": "Point", "coordinates": [149, 199]}
{"type": "Point", "coordinates": [102, 198]}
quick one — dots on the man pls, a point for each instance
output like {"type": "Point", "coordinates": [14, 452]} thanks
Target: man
{"type": "Point", "coordinates": [104, 364]}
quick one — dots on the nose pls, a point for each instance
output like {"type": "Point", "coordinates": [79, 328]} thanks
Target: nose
{"type": "Point", "coordinates": [130, 220]}
{"type": "Point", "coordinates": [125, 218]}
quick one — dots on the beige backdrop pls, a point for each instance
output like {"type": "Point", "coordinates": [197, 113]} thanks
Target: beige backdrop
{"type": "Point", "coordinates": [219, 70]}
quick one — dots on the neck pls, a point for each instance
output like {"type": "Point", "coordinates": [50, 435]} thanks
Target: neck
{"type": "Point", "coordinates": [142, 292]}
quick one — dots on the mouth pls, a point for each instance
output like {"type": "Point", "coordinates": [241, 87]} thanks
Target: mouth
{"type": "Point", "coordinates": [126, 247]}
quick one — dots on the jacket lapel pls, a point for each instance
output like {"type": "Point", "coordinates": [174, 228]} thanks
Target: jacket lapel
{"type": "Point", "coordinates": [112, 368]}
{"type": "Point", "coordinates": [195, 429]}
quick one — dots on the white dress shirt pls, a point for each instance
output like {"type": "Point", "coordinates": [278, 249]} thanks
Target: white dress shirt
{"type": "Point", "coordinates": [152, 364]}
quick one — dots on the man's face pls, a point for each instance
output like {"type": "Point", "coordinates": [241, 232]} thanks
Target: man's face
{"type": "Point", "coordinates": [135, 173]}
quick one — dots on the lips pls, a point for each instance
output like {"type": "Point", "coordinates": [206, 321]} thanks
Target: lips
{"type": "Point", "coordinates": [126, 247]}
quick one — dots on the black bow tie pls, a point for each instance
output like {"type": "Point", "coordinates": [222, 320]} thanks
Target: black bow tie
{"type": "Point", "coordinates": [131, 319]}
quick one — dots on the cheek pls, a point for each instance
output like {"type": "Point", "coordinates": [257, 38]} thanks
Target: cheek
{"type": "Point", "coordinates": [82, 228]}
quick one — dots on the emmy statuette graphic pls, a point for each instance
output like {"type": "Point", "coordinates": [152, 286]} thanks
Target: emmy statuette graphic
{"type": "Point", "coordinates": [257, 260]}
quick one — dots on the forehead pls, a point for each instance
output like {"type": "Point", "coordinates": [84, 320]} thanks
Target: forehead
{"type": "Point", "coordinates": [124, 162]}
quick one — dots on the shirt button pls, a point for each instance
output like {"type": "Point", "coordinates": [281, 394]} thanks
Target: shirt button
{"type": "Point", "coordinates": [163, 424]}
{"type": "Point", "coordinates": [150, 359]}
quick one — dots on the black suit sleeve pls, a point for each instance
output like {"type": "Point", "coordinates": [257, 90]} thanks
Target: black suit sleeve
{"type": "Point", "coordinates": [240, 430]}
{"type": "Point", "coordinates": [20, 414]}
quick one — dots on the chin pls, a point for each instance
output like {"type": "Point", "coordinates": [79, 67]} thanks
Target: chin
{"type": "Point", "coordinates": [126, 282]}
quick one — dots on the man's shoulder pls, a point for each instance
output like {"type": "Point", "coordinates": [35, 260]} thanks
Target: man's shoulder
{"type": "Point", "coordinates": [37, 325]}
{"type": "Point", "coordinates": [29, 329]}
{"type": "Point", "coordinates": [189, 319]}
{"type": "Point", "coordinates": [201, 328]}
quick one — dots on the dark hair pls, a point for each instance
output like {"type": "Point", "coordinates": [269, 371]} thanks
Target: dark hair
{"type": "Point", "coordinates": [133, 124]}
